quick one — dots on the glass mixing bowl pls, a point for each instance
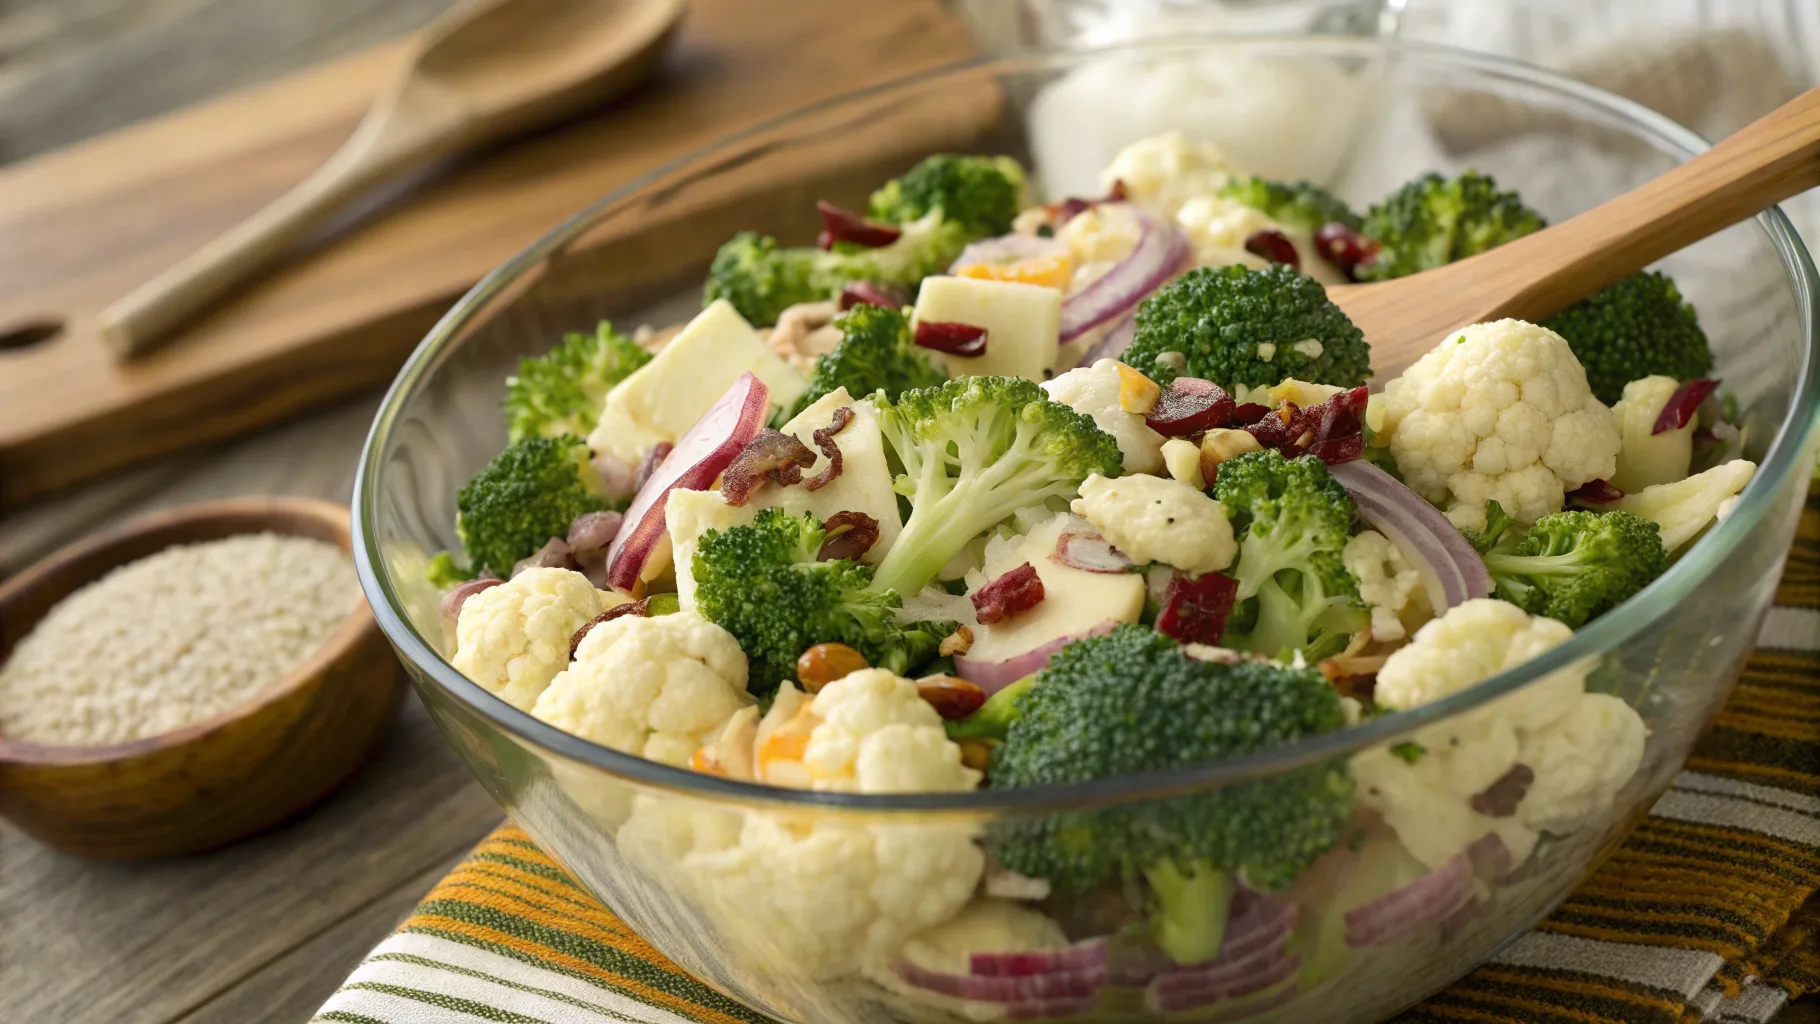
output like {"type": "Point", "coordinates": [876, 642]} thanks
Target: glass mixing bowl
{"type": "Point", "coordinates": [807, 905]}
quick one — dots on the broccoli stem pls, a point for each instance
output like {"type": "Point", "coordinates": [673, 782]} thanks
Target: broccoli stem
{"type": "Point", "coordinates": [1192, 909]}
{"type": "Point", "coordinates": [994, 717]}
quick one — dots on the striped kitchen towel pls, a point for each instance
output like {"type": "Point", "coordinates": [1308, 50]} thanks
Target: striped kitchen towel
{"type": "Point", "coordinates": [1699, 915]}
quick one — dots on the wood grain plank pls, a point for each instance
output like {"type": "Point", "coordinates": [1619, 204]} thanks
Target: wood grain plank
{"type": "Point", "coordinates": [151, 942]}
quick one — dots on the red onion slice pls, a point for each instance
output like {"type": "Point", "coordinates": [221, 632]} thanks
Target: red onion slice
{"type": "Point", "coordinates": [554, 554]}
{"type": "Point", "coordinates": [1273, 246]}
{"type": "Point", "coordinates": [1080, 956]}
{"type": "Point", "coordinates": [1091, 552]}
{"type": "Point", "coordinates": [1252, 1009]}
{"type": "Point", "coordinates": [1061, 984]}
{"type": "Point", "coordinates": [952, 338]}
{"type": "Point", "coordinates": [1051, 1009]}
{"type": "Point", "coordinates": [1452, 572]}
{"type": "Point", "coordinates": [1194, 611]}
{"type": "Point", "coordinates": [1161, 252]}
{"type": "Point", "coordinates": [1113, 344]}
{"type": "Point", "coordinates": [840, 225]}
{"type": "Point", "coordinates": [458, 595]}
{"type": "Point", "coordinates": [1491, 857]}
{"type": "Point", "coordinates": [1595, 492]}
{"type": "Point", "coordinates": [1012, 248]}
{"type": "Point", "coordinates": [1190, 405]}
{"type": "Point", "coordinates": [993, 676]}
{"type": "Point", "coordinates": [1426, 901]}
{"type": "Point", "coordinates": [1682, 405]}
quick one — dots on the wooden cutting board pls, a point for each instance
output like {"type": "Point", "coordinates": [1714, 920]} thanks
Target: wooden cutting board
{"type": "Point", "coordinates": [80, 227]}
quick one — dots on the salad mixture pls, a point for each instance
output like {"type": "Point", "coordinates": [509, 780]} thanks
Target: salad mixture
{"type": "Point", "coordinates": [980, 491]}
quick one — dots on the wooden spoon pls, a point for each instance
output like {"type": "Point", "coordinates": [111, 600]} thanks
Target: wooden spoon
{"type": "Point", "coordinates": [1772, 159]}
{"type": "Point", "coordinates": [486, 69]}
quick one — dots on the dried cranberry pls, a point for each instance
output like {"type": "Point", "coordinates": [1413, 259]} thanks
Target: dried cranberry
{"type": "Point", "coordinates": [1500, 799]}
{"type": "Point", "coordinates": [953, 338]}
{"type": "Point", "coordinates": [1195, 610]}
{"type": "Point", "coordinates": [1019, 590]}
{"type": "Point", "coordinates": [1335, 428]}
{"type": "Point", "coordinates": [824, 439]}
{"type": "Point", "coordinates": [1190, 405]}
{"type": "Point", "coordinates": [1272, 431]}
{"type": "Point", "coordinates": [1249, 413]}
{"type": "Point", "coordinates": [1273, 246]}
{"type": "Point", "coordinates": [1062, 212]}
{"type": "Point", "coordinates": [1345, 248]}
{"type": "Point", "coordinates": [1595, 492]}
{"type": "Point", "coordinates": [1682, 405]}
{"type": "Point", "coordinates": [847, 535]}
{"type": "Point", "coordinates": [867, 293]}
{"type": "Point", "coordinates": [840, 225]}
{"type": "Point", "coordinates": [772, 455]}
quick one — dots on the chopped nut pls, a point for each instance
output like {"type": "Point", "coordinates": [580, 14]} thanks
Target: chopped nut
{"type": "Point", "coordinates": [951, 697]}
{"type": "Point", "coordinates": [824, 663]}
{"type": "Point", "coordinates": [958, 642]}
{"type": "Point", "coordinates": [1183, 458]}
{"type": "Point", "coordinates": [976, 754]}
{"type": "Point", "coordinates": [1221, 444]}
{"type": "Point", "coordinates": [1137, 393]}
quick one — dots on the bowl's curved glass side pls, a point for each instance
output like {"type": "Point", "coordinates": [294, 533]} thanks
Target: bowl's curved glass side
{"type": "Point", "coordinates": [806, 911]}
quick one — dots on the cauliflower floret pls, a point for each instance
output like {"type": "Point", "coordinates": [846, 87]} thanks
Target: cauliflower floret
{"type": "Point", "coordinates": [1499, 411]}
{"type": "Point", "coordinates": [1387, 582]}
{"type": "Point", "coordinates": [514, 638]}
{"type": "Point", "coordinates": [1154, 519]}
{"type": "Point", "coordinates": [1580, 763]}
{"type": "Point", "coordinates": [1103, 234]}
{"type": "Point", "coordinates": [1094, 391]}
{"type": "Point", "coordinates": [1436, 789]}
{"type": "Point", "coordinates": [1165, 171]}
{"type": "Point", "coordinates": [655, 686]}
{"type": "Point", "coordinates": [1646, 458]}
{"type": "Point", "coordinates": [985, 926]}
{"type": "Point", "coordinates": [1217, 227]}
{"type": "Point", "coordinates": [1683, 508]}
{"type": "Point", "coordinates": [816, 893]}
{"type": "Point", "coordinates": [1183, 458]}
{"type": "Point", "coordinates": [876, 734]}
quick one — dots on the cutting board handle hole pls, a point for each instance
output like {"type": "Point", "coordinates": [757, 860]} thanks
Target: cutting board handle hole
{"type": "Point", "coordinates": [29, 334]}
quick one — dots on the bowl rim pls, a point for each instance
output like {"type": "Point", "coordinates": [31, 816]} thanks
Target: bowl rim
{"type": "Point", "coordinates": [1786, 456]}
{"type": "Point", "coordinates": [345, 637]}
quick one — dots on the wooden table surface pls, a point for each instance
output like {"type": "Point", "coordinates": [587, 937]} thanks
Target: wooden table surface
{"type": "Point", "coordinates": [264, 930]}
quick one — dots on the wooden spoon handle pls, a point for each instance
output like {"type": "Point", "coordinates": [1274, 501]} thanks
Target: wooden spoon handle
{"type": "Point", "coordinates": [151, 311]}
{"type": "Point", "coordinates": [1774, 158]}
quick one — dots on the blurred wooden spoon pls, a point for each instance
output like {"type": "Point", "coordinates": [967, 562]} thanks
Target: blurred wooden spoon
{"type": "Point", "coordinates": [486, 69]}
{"type": "Point", "coordinates": [1772, 159]}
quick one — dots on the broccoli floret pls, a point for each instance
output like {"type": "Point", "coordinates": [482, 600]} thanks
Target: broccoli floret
{"type": "Point", "coordinates": [529, 493]}
{"type": "Point", "coordinates": [1131, 701]}
{"type": "Point", "coordinates": [1292, 520]}
{"type": "Point", "coordinates": [1433, 221]}
{"type": "Point", "coordinates": [762, 584]}
{"type": "Point", "coordinates": [994, 717]}
{"type": "Point", "coordinates": [561, 392]}
{"type": "Point", "coordinates": [445, 572]}
{"type": "Point", "coordinates": [982, 194]}
{"type": "Point", "coordinates": [1497, 525]}
{"type": "Point", "coordinates": [1575, 566]}
{"type": "Point", "coordinates": [1298, 204]}
{"type": "Point", "coordinates": [1636, 328]}
{"type": "Point", "coordinates": [876, 353]}
{"type": "Point", "coordinates": [762, 278]}
{"type": "Point", "coordinates": [973, 451]}
{"type": "Point", "coordinates": [1239, 326]}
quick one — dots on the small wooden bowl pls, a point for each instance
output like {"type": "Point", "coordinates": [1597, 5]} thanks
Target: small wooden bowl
{"type": "Point", "coordinates": [217, 780]}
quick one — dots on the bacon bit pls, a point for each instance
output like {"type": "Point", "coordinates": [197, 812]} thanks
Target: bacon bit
{"type": "Point", "coordinates": [1682, 405]}
{"type": "Point", "coordinates": [772, 455]}
{"type": "Point", "coordinates": [824, 439]}
{"type": "Point", "coordinates": [1249, 413]}
{"type": "Point", "coordinates": [653, 459]}
{"type": "Point", "coordinates": [1500, 799]}
{"type": "Point", "coordinates": [840, 225]}
{"type": "Point", "coordinates": [1345, 248]}
{"type": "Point", "coordinates": [952, 338]}
{"type": "Point", "coordinates": [867, 293]}
{"type": "Point", "coordinates": [1273, 246]}
{"type": "Point", "coordinates": [958, 642]}
{"type": "Point", "coordinates": [1019, 590]}
{"type": "Point", "coordinates": [1595, 492]}
{"type": "Point", "coordinates": [1195, 610]}
{"type": "Point", "coordinates": [1190, 405]}
{"type": "Point", "coordinates": [952, 698]}
{"type": "Point", "coordinates": [639, 608]}
{"type": "Point", "coordinates": [847, 535]}
{"type": "Point", "coordinates": [1062, 212]}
